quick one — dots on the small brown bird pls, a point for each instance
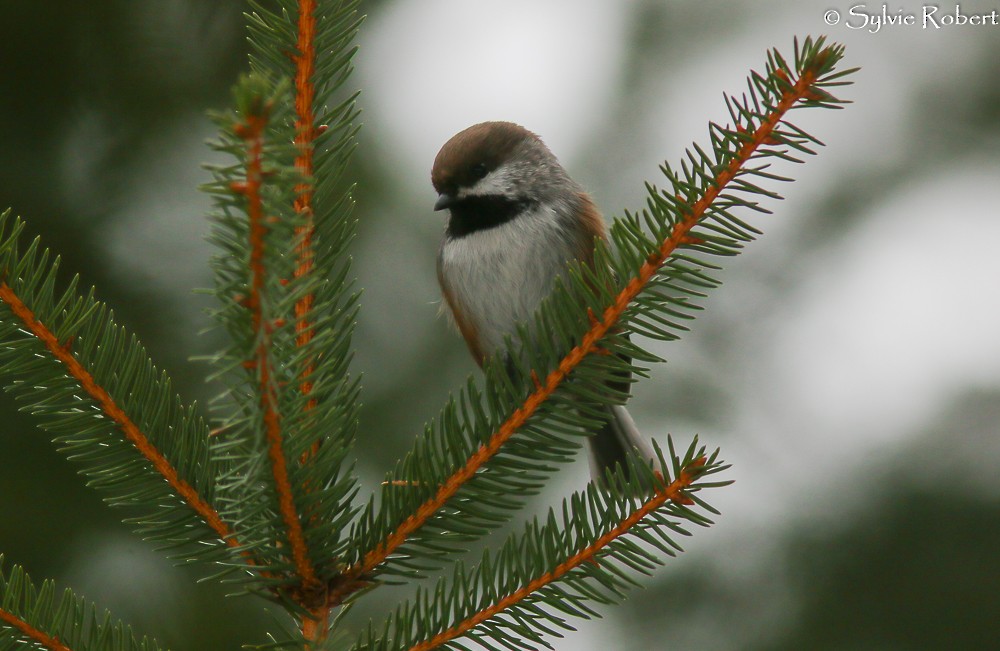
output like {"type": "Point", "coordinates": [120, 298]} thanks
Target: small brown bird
{"type": "Point", "coordinates": [516, 220]}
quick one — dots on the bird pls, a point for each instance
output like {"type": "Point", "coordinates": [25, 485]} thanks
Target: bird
{"type": "Point", "coordinates": [516, 221]}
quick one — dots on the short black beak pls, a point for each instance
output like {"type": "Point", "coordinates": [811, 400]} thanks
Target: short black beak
{"type": "Point", "coordinates": [445, 200]}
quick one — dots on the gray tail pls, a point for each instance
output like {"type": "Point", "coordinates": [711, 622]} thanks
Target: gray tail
{"type": "Point", "coordinates": [615, 442]}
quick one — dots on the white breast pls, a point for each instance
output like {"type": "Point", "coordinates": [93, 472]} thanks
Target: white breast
{"type": "Point", "coordinates": [497, 285]}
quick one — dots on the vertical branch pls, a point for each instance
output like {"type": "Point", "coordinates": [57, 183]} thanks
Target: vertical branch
{"type": "Point", "coordinates": [314, 628]}
{"type": "Point", "coordinates": [316, 624]}
{"type": "Point", "coordinates": [252, 132]}
{"type": "Point", "coordinates": [305, 135]}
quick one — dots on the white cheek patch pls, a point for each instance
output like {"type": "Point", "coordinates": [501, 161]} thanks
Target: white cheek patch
{"type": "Point", "coordinates": [497, 182]}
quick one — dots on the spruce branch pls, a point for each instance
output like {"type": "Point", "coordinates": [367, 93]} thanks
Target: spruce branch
{"type": "Point", "coordinates": [286, 302]}
{"type": "Point", "coordinates": [252, 131]}
{"type": "Point", "coordinates": [259, 491]}
{"type": "Point", "coordinates": [656, 279]}
{"type": "Point", "coordinates": [93, 383]}
{"type": "Point", "coordinates": [319, 37]}
{"type": "Point", "coordinates": [557, 569]}
{"type": "Point", "coordinates": [306, 131]}
{"type": "Point", "coordinates": [30, 634]}
{"type": "Point", "coordinates": [35, 617]}
{"type": "Point", "coordinates": [63, 353]}
{"type": "Point", "coordinates": [323, 136]}
{"type": "Point", "coordinates": [305, 135]}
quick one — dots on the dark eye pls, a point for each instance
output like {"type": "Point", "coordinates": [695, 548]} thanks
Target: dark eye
{"type": "Point", "coordinates": [479, 170]}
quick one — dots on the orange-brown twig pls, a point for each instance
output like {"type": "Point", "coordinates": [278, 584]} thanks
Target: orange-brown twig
{"type": "Point", "coordinates": [115, 413]}
{"type": "Point", "coordinates": [29, 631]}
{"type": "Point", "coordinates": [253, 134]}
{"type": "Point", "coordinates": [305, 135]}
{"type": "Point", "coordinates": [316, 624]}
{"type": "Point", "coordinates": [353, 578]}
{"type": "Point", "coordinates": [672, 492]}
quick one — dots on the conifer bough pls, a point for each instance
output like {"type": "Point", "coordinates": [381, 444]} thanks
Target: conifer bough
{"type": "Point", "coordinates": [269, 495]}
